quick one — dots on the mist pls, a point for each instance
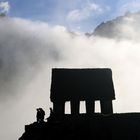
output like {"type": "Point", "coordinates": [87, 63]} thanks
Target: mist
{"type": "Point", "coordinates": [29, 49]}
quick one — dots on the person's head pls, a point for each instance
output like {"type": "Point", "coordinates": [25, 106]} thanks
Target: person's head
{"type": "Point", "coordinates": [40, 109]}
{"type": "Point", "coordinates": [37, 109]}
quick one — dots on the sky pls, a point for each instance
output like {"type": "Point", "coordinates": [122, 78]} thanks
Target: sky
{"type": "Point", "coordinates": [35, 36]}
{"type": "Point", "coordinates": [76, 15]}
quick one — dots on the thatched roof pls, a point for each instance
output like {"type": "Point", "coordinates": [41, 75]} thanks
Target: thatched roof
{"type": "Point", "coordinates": [81, 84]}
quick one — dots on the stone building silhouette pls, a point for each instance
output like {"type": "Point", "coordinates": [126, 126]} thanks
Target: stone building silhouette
{"type": "Point", "coordinates": [87, 85]}
{"type": "Point", "coordinates": [77, 85]}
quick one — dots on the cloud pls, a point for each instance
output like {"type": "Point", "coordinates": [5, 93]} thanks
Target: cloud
{"type": "Point", "coordinates": [4, 7]}
{"type": "Point", "coordinates": [29, 49]}
{"type": "Point", "coordinates": [84, 13]}
{"type": "Point", "coordinates": [22, 50]}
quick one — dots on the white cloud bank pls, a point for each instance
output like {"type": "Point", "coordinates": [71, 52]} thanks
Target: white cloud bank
{"type": "Point", "coordinates": [4, 7]}
{"type": "Point", "coordinates": [28, 51]}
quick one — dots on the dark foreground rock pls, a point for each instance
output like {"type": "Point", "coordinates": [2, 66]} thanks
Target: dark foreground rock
{"type": "Point", "coordinates": [96, 127]}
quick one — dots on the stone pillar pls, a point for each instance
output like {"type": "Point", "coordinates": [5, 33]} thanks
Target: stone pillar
{"type": "Point", "coordinates": [90, 106]}
{"type": "Point", "coordinates": [58, 108]}
{"type": "Point", "coordinates": [75, 107]}
{"type": "Point", "coordinates": [106, 107]}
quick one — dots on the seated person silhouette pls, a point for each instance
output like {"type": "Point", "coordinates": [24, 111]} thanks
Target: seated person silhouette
{"type": "Point", "coordinates": [40, 115]}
